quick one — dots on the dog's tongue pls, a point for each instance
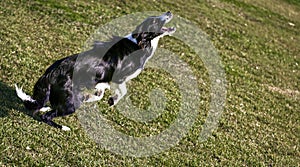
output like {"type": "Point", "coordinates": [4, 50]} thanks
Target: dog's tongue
{"type": "Point", "coordinates": [165, 29]}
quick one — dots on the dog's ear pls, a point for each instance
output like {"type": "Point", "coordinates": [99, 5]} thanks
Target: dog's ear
{"type": "Point", "coordinates": [134, 35]}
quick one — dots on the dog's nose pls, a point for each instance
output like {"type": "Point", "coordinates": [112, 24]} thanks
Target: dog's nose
{"type": "Point", "coordinates": [168, 13]}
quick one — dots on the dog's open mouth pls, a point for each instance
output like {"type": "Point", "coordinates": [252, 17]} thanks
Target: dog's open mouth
{"type": "Point", "coordinates": [168, 30]}
{"type": "Point", "coordinates": [167, 17]}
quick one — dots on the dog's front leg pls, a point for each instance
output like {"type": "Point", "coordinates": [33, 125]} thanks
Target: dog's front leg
{"type": "Point", "coordinates": [120, 91]}
{"type": "Point", "coordinates": [100, 89]}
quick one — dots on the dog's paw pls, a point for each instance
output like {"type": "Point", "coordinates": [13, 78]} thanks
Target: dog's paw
{"type": "Point", "coordinates": [45, 109]}
{"type": "Point", "coordinates": [98, 93]}
{"type": "Point", "coordinates": [111, 101]}
{"type": "Point", "coordinates": [65, 128]}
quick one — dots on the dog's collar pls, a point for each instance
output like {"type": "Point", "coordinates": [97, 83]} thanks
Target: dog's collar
{"type": "Point", "coordinates": [129, 36]}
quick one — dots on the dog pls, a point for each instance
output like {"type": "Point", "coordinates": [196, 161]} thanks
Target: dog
{"type": "Point", "coordinates": [106, 64]}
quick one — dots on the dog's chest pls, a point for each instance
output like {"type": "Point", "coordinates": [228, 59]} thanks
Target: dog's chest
{"type": "Point", "coordinates": [154, 44]}
{"type": "Point", "coordinates": [133, 75]}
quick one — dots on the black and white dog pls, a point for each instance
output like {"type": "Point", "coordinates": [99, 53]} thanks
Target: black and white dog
{"type": "Point", "coordinates": [107, 64]}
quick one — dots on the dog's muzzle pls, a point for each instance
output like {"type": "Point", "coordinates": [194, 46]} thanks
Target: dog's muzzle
{"type": "Point", "coordinates": [167, 17]}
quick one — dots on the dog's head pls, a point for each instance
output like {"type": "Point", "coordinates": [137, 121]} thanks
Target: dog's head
{"type": "Point", "coordinates": [151, 28]}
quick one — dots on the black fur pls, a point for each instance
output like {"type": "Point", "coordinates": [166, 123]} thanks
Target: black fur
{"type": "Point", "coordinates": [106, 62]}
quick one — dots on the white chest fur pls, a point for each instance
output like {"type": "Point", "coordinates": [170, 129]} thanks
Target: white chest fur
{"type": "Point", "coordinates": [154, 44]}
{"type": "Point", "coordinates": [135, 74]}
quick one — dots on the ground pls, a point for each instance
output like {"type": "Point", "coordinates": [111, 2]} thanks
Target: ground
{"type": "Point", "coordinates": [257, 41]}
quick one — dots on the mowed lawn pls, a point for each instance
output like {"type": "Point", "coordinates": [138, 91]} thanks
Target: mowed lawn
{"type": "Point", "coordinates": [257, 41]}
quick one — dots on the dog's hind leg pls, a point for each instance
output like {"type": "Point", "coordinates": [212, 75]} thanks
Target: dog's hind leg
{"type": "Point", "coordinates": [64, 101]}
{"type": "Point", "coordinates": [40, 96]}
{"type": "Point", "coordinates": [48, 117]}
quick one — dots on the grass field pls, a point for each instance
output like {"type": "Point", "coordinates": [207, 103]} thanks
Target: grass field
{"type": "Point", "coordinates": [258, 42]}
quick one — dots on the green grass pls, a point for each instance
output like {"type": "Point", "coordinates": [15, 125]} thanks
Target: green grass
{"type": "Point", "coordinates": [256, 42]}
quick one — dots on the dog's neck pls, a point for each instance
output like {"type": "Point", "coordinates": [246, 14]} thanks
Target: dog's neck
{"type": "Point", "coordinates": [154, 42]}
{"type": "Point", "coordinates": [129, 36]}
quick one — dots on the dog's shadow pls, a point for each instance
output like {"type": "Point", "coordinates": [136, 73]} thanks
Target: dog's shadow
{"type": "Point", "coordinates": [9, 101]}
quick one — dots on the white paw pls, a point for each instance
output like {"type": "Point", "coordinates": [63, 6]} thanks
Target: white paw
{"type": "Point", "coordinates": [45, 109]}
{"type": "Point", "coordinates": [65, 128]}
{"type": "Point", "coordinates": [93, 99]}
{"type": "Point", "coordinates": [102, 86]}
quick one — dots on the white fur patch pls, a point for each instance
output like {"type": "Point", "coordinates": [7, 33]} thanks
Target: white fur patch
{"type": "Point", "coordinates": [94, 98]}
{"type": "Point", "coordinates": [99, 87]}
{"type": "Point", "coordinates": [45, 109]}
{"type": "Point", "coordinates": [129, 36]}
{"type": "Point", "coordinates": [65, 128]}
{"type": "Point", "coordinates": [102, 86]}
{"type": "Point", "coordinates": [154, 43]}
{"type": "Point", "coordinates": [23, 95]}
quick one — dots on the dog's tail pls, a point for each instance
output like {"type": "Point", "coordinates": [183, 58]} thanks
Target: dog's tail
{"type": "Point", "coordinates": [29, 102]}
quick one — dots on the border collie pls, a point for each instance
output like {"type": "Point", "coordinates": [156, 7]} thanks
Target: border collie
{"type": "Point", "coordinates": [106, 64]}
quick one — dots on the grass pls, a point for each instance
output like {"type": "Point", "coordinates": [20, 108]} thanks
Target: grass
{"type": "Point", "coordinates": [258, 42]}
